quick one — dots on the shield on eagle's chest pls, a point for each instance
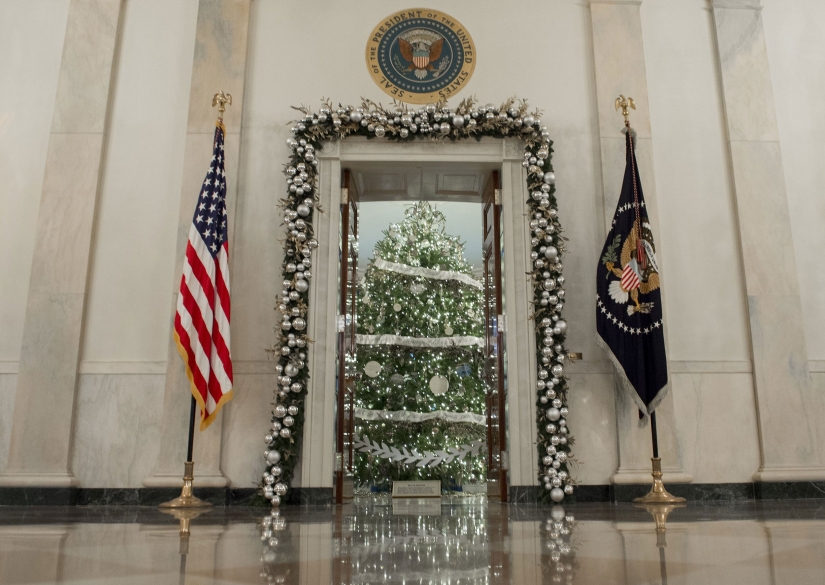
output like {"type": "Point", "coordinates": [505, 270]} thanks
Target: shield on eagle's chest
{"type": "Point", "coordinates": [421, 59]}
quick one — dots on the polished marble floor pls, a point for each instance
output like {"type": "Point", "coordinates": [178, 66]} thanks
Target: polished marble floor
{"type": "Point", "coordinates": [419, 542]}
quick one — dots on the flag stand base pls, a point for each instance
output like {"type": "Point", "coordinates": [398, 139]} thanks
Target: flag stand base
{"type": "Point", "coordinates": [658, 494]}
{"type": "Point", "coordinates": [186, 499]}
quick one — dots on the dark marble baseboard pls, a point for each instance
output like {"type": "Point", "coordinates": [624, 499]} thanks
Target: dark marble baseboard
{"type": "Point", "coordinates": [519, 494]}
{"type": "Point", "coordinates": [43, 496]}
{"type": "Point", "coordinates": [695, 492]}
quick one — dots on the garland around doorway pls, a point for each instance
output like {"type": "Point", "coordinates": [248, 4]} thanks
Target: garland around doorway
{"type": "Point", "coordinates": [436, 123]}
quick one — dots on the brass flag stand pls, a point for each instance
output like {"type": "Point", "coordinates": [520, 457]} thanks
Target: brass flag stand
{"type": "Point", "coordinates": [187, 499]}
{"type": "Point", "coordinates": [658, 494]}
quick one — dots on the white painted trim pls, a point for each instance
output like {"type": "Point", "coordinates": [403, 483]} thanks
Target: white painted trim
{"type": "Point", "coordinates": [244, 367]}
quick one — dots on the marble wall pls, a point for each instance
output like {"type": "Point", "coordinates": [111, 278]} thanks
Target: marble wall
{"type": "Point", "coordinates": [126, 317]}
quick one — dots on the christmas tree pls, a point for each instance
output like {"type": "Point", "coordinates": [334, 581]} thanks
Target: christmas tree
{"type": "Point", "coordinates": [419, 400]}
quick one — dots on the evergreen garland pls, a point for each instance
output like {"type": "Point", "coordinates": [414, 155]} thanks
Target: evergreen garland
{"type": "Point", "coordinates": [437, 123]}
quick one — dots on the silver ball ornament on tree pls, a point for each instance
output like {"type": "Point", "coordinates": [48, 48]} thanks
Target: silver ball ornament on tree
{"type": "Point", "coordinates": [299, 324]}
{"type": "Point", "coordinates": [290, 370]}
{"type": "Point", "coordinates": [280, 489]}
{"type": "Point", "coordinates": [301, 285]}
{"type": "Point", "coordinates": [303, 210]}
{"type": "Point", "coordinates": [280, 411]}
{"type": "Point", "coordinates": [285, 433]}
{"type": "Point", "coordinates": [553, 414]}
{"type": "Point", "coordinates": [556, 494]}
{"type": "Point", "coordinates": [292, 410]}
{"type": "Point", "coordinates": [273, 456]}
{"type": "Point", "coordinates": [288, 421]}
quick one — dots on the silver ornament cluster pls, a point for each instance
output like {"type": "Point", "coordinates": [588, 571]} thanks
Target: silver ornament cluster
{"type": "Point", "coordinates": [547, 247]}
{"type": "Point", "coordinates": [435, 122]}
{"type": "Point", "coordinates": [272, 525]}
{"type": "Point", "coordinates": [557, 535]}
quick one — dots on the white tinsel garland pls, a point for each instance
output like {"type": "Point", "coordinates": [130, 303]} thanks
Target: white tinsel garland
{"type": "Point", "coordinates": [455, 341]}
{"type": "Point", "coordinates": [425, 459]}
{"type": "Point", "coordinates": [417, 417]}
{"type": "Point", "coordinates": [427, 272]}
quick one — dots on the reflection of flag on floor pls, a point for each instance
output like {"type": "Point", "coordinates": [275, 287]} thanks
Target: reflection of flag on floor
{"type": "Point", "coordinates": [202, 319]}
{"type": "Point", "coordinates": [629, 302]}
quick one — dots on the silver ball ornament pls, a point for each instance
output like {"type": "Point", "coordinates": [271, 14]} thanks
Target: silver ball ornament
{"type": "Point", "coordinates": [556, 494]}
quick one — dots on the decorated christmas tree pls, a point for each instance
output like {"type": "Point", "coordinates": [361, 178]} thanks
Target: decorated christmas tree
{"type": "Point", "coordinates": [419, 400]}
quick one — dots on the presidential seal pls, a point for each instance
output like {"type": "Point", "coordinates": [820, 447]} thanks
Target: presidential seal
{"type": "Point", "coordinates": [420, 56]}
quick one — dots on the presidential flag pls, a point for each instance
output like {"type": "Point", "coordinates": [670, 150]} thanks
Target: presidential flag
{"type": "Point", "coordinates": [628, 298]}
{"type": "Point", "coordinates": [202, 319]}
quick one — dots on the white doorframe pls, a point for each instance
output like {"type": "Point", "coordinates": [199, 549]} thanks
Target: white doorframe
{"type": "Point", "coordinates": [318, 451]}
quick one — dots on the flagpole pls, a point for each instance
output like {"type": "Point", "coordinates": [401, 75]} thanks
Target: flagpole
{"type": "Point", "coordinates": [657, 494]}
{"type": "Point", "coordinates": [187, 499]}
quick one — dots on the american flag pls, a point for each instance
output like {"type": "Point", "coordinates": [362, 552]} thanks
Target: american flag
{"type": "Point", "coordinates": [202, 318]}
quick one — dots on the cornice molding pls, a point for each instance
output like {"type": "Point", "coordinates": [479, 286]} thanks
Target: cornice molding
{"type": "Point", "coordinates": [737, 4]}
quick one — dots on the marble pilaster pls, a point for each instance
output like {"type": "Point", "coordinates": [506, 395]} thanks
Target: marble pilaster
{"type": "Point", "coordinates": [619, 61]}
{"type": "Point", "coordinates": [219, 63]}
{"type": "Point", "coordinates": [41, 436]}
{"type": "Point", "coordinates": [788, 406]}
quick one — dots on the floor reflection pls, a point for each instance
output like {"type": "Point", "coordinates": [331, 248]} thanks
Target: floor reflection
{"type": "Point", "coordinates": [418, 542]}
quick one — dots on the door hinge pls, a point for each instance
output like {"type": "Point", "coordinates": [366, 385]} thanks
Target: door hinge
{"type": "Point", "coordinates": [505, 461]}
{"type": "Point", "coordinates": [344, 196]}
{"type": "Point", "coordinates": [497, 195]}
{"type": "Point", "coordinates": [341, 323]}
{"type": "Point", "coordinates": [502, 323]}
{"type": "Point", "coordinates": [339, 462]}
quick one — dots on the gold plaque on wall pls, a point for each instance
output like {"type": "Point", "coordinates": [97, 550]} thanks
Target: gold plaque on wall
{"type": "Point", "coordinates": [420, 56]}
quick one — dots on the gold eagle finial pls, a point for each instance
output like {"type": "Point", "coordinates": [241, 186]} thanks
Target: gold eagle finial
{"type": "Point", "coordinates": [625, 103]}
{"type": "Point", "coordinates": [220, 100]}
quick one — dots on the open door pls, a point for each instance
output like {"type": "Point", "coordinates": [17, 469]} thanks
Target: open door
{"type": "Point", "coordinates": [345, 421]}
{"type": "Point", "coordinates": [494, 341]}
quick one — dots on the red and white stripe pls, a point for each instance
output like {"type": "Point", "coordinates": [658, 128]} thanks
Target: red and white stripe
{"type": "Point", "coordinates": [630, 280]}
{"type": "Point", "coordinates": [202, 325]}
{"type": "Point", "coordinates": [421, 61]}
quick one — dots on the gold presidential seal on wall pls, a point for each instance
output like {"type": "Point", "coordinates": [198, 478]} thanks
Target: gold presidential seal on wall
{"type": "Point", "coordinates": [420, 56]}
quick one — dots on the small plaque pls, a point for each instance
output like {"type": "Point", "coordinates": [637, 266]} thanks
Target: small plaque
{"type": "Point", "coordinates": [416, 489]}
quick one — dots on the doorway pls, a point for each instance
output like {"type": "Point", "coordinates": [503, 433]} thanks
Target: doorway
{"type": "Point", "coordinates": [319, 464]}
{"type": "Point", "coordinates": [420, 385]}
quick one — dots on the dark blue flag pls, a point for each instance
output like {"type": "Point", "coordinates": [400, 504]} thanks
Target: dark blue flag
{"type": "Point", "coordinates": [629, 302]}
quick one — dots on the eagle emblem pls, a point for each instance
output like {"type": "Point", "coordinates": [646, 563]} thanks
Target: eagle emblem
{"type": "Point", "coordinates": [638, 271]}
{"type": "Point", "coordinates": [421, 48]}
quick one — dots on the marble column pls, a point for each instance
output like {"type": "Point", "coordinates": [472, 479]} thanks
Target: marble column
{"type": "Point", "coordinates": [619, 65]}
{"type": "Point", "coordinates": [789, 408]}
{"type": "Point", "coordinates": [41, 437]}
{"type": "Point", "coordinates": [219, 63]}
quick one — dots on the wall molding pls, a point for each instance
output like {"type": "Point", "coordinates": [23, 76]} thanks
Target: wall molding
{"type": "Point", "coordinates": [244, 367]}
